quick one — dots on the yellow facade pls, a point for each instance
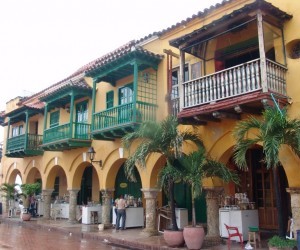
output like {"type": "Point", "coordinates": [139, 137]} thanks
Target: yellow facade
{"type": "Point", "coordinates": [70, 164]}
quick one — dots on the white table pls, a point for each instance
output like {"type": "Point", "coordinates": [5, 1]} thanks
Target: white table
{"type": "Point", "coordinates": [238, 218]}
{"type": "Point", "coordinates": [86, 213]}
{"type": "Point", "coordinates": [134, 217]}
{"type": "Point", "coordinates": [62, 210]}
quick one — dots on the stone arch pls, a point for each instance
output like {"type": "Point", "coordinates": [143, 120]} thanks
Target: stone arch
{"type": "Point", "coordinates": [32, 174]}
{"type": "Point", "coordinates": [51, 175]}
{"type": "Point", "coordinates": [12, 174]}
{"type": "Point", "coordinates": [52, 162]}
{"type": "Point", "coordinates": [33, 163]}
{"type": "Point", "coordinates": [75, 179]}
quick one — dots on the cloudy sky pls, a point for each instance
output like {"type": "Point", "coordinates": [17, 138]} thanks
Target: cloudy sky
{"type": "Point", "coordinates": [43, 42]}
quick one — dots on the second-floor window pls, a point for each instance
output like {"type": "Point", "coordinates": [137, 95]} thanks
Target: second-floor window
{"type": "Point", "coordinates": [54, 119]}
{"type": "Point", "coordinates": [18, 130]}
{"type": "Point", "coordinates": [82, 112]}
{"type": "Point", "coordinates": [175, 80]}
{"type": "Point", "coordinates": [126, 94]}
{"type": "Point", "coordinates": [109, 99]}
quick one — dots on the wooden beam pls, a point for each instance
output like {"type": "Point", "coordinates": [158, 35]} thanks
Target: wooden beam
{"type": "Point", "coordinates": [171, 53]}
{"type": "Point", "coordinates": [222, 115]}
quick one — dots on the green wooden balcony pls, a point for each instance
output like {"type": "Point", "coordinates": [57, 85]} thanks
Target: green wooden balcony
{"type": "Point", "coordinates": [115, 122]}
{"type": "Point", "coordinates": [67, 136]}
{"type": "Point", "coordinates": [24, 145]}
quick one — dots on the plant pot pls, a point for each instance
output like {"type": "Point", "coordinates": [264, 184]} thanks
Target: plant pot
{"type": "Point", "coordinates": [193, 236]}
{"type": "Point", "coordinates": [26, 216]}
{"type": "Point", "coordinates": [174, 238]}
{"type": "Point", "coordinates": [101, 227]}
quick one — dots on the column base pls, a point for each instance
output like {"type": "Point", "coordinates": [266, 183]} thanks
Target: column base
{"type": "Point", "coordinates": [149, 232]}
{"type": "Point", "coordinates": [210, 241]}
{"type": "Point", "coordinates": [73, 222]}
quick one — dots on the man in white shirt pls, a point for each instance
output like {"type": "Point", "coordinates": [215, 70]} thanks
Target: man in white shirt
{"type": "Point", "coordinates": [121, 212]}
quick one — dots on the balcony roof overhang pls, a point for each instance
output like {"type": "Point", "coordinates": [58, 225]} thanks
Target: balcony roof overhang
{"type": "Point", "coordinates": [62, 96]}
{"type": "Point", "coordinates": [19, 114]}
{"type": "Point", "coordinates": [121, 65]}
{"type": "Point", "coordinates": [229, 21]}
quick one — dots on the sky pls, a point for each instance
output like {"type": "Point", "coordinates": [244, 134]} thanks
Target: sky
{"type": "Point", "coordinates": [43, 42]}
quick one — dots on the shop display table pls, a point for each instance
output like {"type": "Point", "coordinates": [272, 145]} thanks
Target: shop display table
{"type": "Point", "coordinates": [134, 217]}
{"type": "Point", "coordinates": [242, 219]}
{"type": "Point", "coordinates": [91, 214]}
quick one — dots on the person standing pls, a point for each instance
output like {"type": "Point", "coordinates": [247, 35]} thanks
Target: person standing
{"type": "Point", "coordinates": [121, 212]}
{"type": "Point", "coordinates": [32, 205]}
{"type": "Point", "coordinates": [290, 227]}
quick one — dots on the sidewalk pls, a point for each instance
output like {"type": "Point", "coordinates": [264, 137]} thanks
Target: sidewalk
{"type": "Point", "coordinates": [132, 238]}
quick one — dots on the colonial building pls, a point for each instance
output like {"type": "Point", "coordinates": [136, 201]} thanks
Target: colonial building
{"type": "Point", "coordinates": [211, 70]}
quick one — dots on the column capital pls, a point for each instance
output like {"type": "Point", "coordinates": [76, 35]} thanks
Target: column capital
{"type": "Point", "coordinates": [47, 191]}
{"type": "Point", "coordinates": [213, 192]}
{"type": "Point", "coordinates": [73, 190]}
{"type": "Point", "coordinates": [150, 192]}
{"type": "Point", "coordinates": [293, 190]}
{"type": "Point", "coordinates": [107, 191]}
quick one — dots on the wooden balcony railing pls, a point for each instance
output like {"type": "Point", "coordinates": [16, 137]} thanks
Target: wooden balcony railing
{"type": "Point", "coordinates": [80, 131]}
{"type": "Point", "coordinates": [124, 114]}
{"type": "Point", "coordinates": [235, 81]}
{"type": "Point", "coordinates": [18, 143]}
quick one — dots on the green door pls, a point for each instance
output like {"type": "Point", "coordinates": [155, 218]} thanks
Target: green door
{"type": "Point", "coordinates": [124, 186]}
{"type": "Point", "coordinates": [125, 98]}
{"type": "Point", "coordinates": [81, 127]}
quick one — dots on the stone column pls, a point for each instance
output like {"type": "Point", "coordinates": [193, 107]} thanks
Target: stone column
{"type": "Point", "coordinates": [106, 207]}
{"type": "Point", "coordinates": [46, 197]}
{"type": "Point", "coordinates": [212, 204]}
{"type": "Point", "coordinates": [295, 205]}
{"type": "Point", "coordinates": [72, 205]}
{"type": "Point", "coordinates": [150, 195]}
{"type": "Point", "coordinates": [5, 206]}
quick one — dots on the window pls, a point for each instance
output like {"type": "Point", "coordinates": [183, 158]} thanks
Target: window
{"type": "Point", "coordinates": [175, 80]}
{"type": "Point", "coordinates": [126, 94]}
{"type": "Point", "coordinates": [82, 112]}
{"type": "Point", "coordinates": [54, 119]}
{"type": "Point", "coordinates": [195, 70]}
{"type": "Point", "coordinates": [18, 130]}
{"type": "Point", "coordinates": [109, 99]}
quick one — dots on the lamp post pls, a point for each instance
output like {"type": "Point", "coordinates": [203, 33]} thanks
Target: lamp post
{"type": "Point", "coordinates": [91, 153]}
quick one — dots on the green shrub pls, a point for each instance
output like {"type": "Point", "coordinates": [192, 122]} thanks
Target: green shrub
{"type": "Point", "coordinates": [279, 242]}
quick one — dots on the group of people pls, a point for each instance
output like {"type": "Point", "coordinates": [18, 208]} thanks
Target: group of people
{"type": "Point", "coordinates": [120, 210]}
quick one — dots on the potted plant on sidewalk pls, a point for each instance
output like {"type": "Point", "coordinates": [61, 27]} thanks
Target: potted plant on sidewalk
{"type": "Point", "coordinates": [27, 190]}
{"type": "Point", "coordinates": [279, 243]}
{"type": "Point", "coordinates": [10, 193]}
{"type": "Point", "coordinates": [194, 168]}
{"type": "Point", "coordinates": [166, 138]}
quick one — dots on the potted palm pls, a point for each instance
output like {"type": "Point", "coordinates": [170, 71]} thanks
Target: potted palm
{"type": "Point", "coordinates": [167, 139]}
{"type": "Point", "coordinates": [10, 193]}
{"type": "Point", "coordinates": [277, 242]}
{"type": "Point", "coordinates": [273, 130]}
{"type": "Point", "coordinates": [27, 190]}
{"type": "Point", "coordinates": [194, 168]}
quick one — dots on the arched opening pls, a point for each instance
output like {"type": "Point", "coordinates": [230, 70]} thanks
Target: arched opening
{"type": "Point", "coordinates": [257, 182]}
{"type": "Point", "coordinates": [89, 189]}
{"type": "Point", "coordinates": [128, 188]}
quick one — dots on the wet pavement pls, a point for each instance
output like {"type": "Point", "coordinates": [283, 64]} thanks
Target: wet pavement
{"type": "Point", "coordinates": [39, 233]}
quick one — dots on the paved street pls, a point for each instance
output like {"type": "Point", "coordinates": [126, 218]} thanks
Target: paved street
{"type": "Point", "coordinates": [18, 237]}
{"type": "Point", "coordinates": [59, 234]}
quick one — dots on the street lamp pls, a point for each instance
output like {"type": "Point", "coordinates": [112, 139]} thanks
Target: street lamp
{"type": "Point", "coordinates": [91, 153]}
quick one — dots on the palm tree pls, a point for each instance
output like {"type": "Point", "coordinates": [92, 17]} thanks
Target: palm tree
{"type": "Point", "coordinates": [198, 165]}
{"type": "Point", "coordinates": [273, 130]}
{"type": "Point", "coordinates": [10, 191]}
{"type": "Point", "coordinates": [159, 137]}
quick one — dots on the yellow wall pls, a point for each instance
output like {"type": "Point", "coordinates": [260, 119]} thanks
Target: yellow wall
{"type": "Point", "coordinates": [217, 136]}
